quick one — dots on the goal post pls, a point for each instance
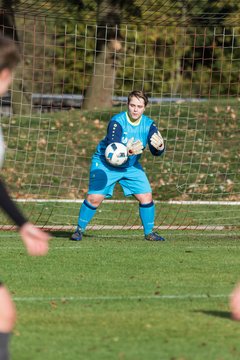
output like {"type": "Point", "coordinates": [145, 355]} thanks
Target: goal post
{"type": "Point", "coordinates": [192, 78]}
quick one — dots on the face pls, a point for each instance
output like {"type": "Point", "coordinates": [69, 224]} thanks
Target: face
{"type": "Point", "coordinates": [136, 108]}
{"type": "Point", "coordinates": [5, 81]}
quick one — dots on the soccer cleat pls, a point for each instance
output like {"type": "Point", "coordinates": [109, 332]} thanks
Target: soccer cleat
{"type": "Point", "coordinates": [154, 237]}
{"type": "Point", "coordinates": [77, 236]}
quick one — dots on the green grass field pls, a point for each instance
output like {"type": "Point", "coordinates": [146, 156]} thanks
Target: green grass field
{"type": "Point", "coordinates": [116, 296]}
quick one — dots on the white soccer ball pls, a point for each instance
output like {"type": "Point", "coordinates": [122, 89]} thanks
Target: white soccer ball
{"type": "Point", "coordinates": [116, 154]}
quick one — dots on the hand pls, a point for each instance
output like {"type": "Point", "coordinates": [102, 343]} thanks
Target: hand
{"type": "Point", "coordinates": [234, 303]}
{"type": "Point", "coordinates": [34, 239]}
{"type": "Point", "coordinates": [157, 141]}
{"type": "Point", "coordinates": [134, 147]}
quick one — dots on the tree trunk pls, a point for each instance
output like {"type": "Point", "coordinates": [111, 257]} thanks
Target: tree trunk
{"type": "Point", "coordinates": [21, 104]}
{"type": "Point", "coordinates": [100, 91]}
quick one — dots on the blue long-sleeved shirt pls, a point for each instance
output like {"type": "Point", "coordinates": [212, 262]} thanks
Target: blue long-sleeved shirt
{"type": "Point", "coordinates": [121, 129]}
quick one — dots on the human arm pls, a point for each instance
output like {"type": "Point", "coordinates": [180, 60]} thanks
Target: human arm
{"type": "Point", "coordinates": [34, 239]}
{"type": "Point", "coordinates": [114, 132]}
{"type": "Point", "coordinates": [9, 206]}
{"type": "Point", "coordinates": [155, 141]}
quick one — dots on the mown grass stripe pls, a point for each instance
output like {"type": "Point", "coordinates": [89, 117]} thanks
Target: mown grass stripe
{"type": "Point", "coordinates": [120, 298]}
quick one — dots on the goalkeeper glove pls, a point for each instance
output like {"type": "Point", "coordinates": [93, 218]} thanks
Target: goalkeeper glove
{"type": "Point", "coordinates": [157, 141]}
{"type": "Point", "coordinates": [134, 147]}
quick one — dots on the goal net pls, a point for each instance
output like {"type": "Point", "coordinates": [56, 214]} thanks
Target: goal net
{"type": "Point", "coordinates": [74, 76]}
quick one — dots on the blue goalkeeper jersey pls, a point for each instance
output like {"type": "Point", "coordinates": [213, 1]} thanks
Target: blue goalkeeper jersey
{"type": "Point", "coordinates": [121, 129]}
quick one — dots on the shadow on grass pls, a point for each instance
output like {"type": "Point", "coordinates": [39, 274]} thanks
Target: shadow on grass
{"type": "Point", "coordinates": [216, 313]}
{"type": "Point", "coordinates": [66, 234]}
{"type": "Point", "coordinates": [61, 234]}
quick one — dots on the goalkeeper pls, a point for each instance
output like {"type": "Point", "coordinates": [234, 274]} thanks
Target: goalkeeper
{"type": "Point", "coordinates": [135, 130]}
{"type": "Point", "coordinates": [34, 239]}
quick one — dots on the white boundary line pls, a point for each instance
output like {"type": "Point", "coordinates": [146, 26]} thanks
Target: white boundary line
{"type": "Point", "coordinates": [175, 202]}
{"type": "Point", "coordinates": [83, 248]}
{"type": "Point", "coordinates": [117, 298]}
{"type": "Point", "coordinates": [120, 227]}
{"type": "Point", "coordinates": [201, 202]}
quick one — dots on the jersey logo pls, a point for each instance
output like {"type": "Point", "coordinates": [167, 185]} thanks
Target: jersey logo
{"type": "Point", "coordinates": [124, 138]}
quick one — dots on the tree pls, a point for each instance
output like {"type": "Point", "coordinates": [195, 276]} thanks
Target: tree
{"type": "Point", "coordinates": [108, 45]}
{"type": "Point", "coordinates": [20, 101]}
{"type": "Point", "coordinates": [93, 52]}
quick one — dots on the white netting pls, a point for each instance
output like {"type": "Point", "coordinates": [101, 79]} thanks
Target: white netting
{"type": "Point", "coordinates": [191, 75]}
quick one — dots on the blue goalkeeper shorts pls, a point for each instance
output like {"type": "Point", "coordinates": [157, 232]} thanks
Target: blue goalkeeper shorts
{"type": "Point", "coordinates": [104, 177]}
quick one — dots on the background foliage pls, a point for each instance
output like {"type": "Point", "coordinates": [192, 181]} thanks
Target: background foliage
{"type": "Point", "coordinates": [197, 54]}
